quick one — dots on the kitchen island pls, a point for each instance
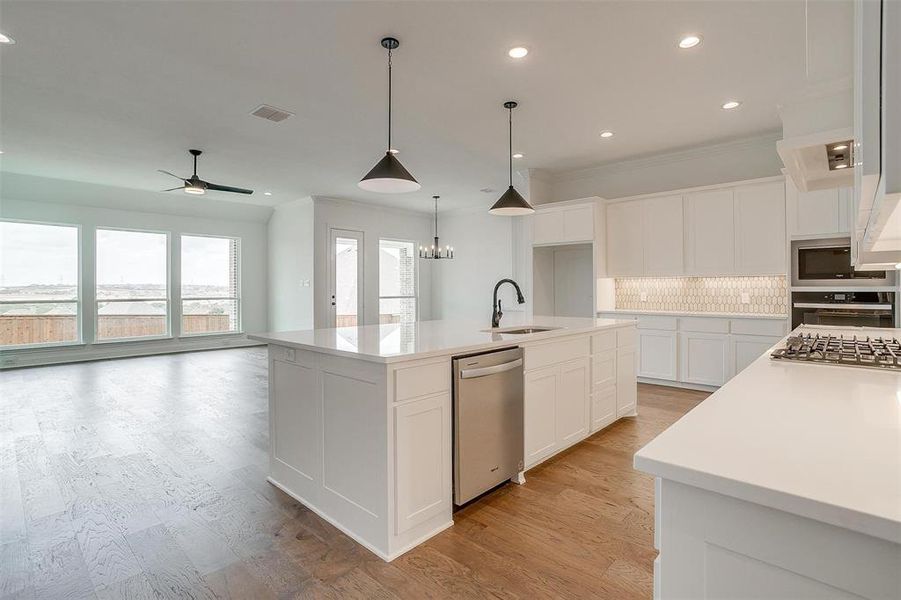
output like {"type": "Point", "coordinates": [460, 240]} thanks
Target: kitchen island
{"type": "Point", "coordinates": [785, 483]}
{"type": "Point", "coordinates": [361, 417]}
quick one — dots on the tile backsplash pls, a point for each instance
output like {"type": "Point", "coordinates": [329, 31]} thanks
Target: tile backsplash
{"type": "Point", "coordinates": [764, 295]}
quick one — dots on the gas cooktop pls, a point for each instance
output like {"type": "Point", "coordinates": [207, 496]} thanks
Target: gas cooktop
{"type": "Point", "coordinates": [875, 352]}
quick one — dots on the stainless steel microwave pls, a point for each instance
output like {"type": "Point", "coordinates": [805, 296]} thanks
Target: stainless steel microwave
{"type": "Point", "coordinates": [827, 262]}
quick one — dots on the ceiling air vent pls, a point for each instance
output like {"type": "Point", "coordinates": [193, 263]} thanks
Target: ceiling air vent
{"type": "Point", "coordinates": [270, 113]}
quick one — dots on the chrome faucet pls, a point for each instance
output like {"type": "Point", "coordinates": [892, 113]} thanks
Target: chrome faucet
{"type": "Point", "coordinates": [496, 312]}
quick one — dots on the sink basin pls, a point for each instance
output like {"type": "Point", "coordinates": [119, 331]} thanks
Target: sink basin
{"type": "Point", "coordinates": [523, 330]}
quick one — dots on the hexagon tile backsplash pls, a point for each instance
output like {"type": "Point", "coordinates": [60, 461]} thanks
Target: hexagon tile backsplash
{"type": "Point", "coordinates": [766, 295]}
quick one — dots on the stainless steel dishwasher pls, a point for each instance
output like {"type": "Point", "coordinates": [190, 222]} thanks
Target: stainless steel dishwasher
{"type": "Point", "coordinates": [488, 421]}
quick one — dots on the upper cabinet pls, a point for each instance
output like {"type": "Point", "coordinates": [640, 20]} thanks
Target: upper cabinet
{"type": "Point", "coordinates": [563, 224]}
{"type": "Point", "coordinates": [821, 213]}
{"type": "Point", "coordinates": [728, 230]}
{"type": "Point", "coordinates": [709, 232]}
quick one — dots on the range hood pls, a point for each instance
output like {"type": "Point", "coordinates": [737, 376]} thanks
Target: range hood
{"type": "Point", "coordinates": [807, 159]}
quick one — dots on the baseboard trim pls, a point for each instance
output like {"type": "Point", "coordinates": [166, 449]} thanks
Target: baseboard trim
{"type": "Point", "coordinates": [678, 384]}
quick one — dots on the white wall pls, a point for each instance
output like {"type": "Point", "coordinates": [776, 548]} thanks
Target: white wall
{"type": "Point", "coordinates": [291, 282]}
{"type": "Point", "coordinates": [57, 207]}
{"type": "Point", "coordinates": [375, 222]}
{"type": "Point", "coordinates": [718, 163]}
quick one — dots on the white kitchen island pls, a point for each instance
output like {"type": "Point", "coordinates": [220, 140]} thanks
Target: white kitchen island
{"type": "Point", "coordinates": [361, 417]}
{"type": "Point", "coordinates": [785, 483]}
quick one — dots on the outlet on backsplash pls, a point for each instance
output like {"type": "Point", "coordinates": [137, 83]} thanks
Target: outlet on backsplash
{"type": "Point", "coordinates": [643, 297]}
{"type": "Point", "coordinates": [752, 294]}
{"type": "Point", "coordinates": [745, 298]}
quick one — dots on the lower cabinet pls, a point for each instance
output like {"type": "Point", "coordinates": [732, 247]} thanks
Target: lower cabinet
{"type": "Point", "coordinates": [540, 396]}
{"type": "Point", "coordinates": [603, 407]}
{"type": "Point", "coordinates": [573, 402]}
{"type": "Point", "coordinates": [705, 358]}
{"type": "Point", "coordinates": [657, 354]}
{"type": "Point", "coordinates": [747, 348]}
{"type": "Point", "coordinates": [626, 384]}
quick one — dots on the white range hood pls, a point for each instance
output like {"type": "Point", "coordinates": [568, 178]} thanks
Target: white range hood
{"type": "Point", "coordinates": [806, 161]}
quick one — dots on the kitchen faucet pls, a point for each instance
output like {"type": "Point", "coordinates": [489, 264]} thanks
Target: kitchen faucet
{"type": "Point", "coordinates": [496, 312]}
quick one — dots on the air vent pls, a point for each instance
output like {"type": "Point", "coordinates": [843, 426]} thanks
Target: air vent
{"type": "Point", "coordinates": [270, 113]}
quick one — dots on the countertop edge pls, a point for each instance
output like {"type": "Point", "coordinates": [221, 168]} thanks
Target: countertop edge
{"type": "Point", "coordinates": [702, 315]}
{"type": "Point", "coordinates": [839, 516]}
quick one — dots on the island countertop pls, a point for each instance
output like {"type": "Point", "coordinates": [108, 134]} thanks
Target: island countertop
{"type": "Point", "coordinates": [819, 441]}
{"type": "Point", "coordinates": [408, 341]}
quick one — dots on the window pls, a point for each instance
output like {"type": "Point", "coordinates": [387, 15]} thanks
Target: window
{"type": "Point", "coordinates": [209, 285]}
{"type": "Point", "coordinates": [397, 282]}
{"type": "Point", "coordinates": [132, 284]}
{"type": "Point", "coordinates": [38, 284]}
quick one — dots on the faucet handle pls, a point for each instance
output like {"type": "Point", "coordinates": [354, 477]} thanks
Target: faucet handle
{"type": "Point", "coordinates": [500, 313]}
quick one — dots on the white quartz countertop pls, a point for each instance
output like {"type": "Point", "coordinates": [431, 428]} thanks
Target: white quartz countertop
{"type": "Point", "coordinates": [683, 313]}
{"type": "Point", "coordinates": [398, 342]}
{"type": "Point", "coordinates": [821, 441]}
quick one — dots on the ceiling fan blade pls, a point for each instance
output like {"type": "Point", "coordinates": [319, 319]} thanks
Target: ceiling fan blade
{"type": "Point", "coordinates": [172, 174]}
{"type": "Point", "coordinates": [227, 188]}
{"type": "Point", "coordinates": [181, 187]}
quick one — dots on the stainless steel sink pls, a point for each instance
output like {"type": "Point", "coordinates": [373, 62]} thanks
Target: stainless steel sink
{"type": "Point", "coordinates": [523, 330]}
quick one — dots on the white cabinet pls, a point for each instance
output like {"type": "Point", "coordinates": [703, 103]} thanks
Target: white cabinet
{"type": "Point", "coordinates": [626, 384]}
{"type": "Point", "coordinates": [603, 408]}
{"type": "Point", "coordinates": [625, 253]}
{"type": "Point", "coordinates": [709, 232]}
{"type": "Point", "coordinates": [662, 235]}
{"type": "Point", "coordinates": [422, 458]}
{"type": "Point", "coordinates": [563, 225]}
{"type": "Point", "coordinates": [748, 348]}
{"type": "Point", "coordinates": [760, 228]}
{"type": "Point", "coordinates": [704, 357]}
{"type": "Point", "coordinates": [573, 402]}
{"type": "Point", "coordinates": [540, 413]}
{"type": "Point", "coordinates": [820, 213]}
{"type": "Point", "coordinates": [657, 354]}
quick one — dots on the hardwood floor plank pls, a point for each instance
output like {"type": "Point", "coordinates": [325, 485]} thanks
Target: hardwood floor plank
{"type": "Point", "coordinates": [59, 572]}
{"type": "Point", "coordinates": [15, 571]}
{"type": "Point", "coordinates": [168, 570]}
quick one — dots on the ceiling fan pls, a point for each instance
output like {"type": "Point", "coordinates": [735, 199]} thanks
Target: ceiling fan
{"type": "Point", "coordinates": [196, 185]}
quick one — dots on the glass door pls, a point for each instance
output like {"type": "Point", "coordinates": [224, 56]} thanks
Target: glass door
{"type": "Point", "coordinates": [346, 277]}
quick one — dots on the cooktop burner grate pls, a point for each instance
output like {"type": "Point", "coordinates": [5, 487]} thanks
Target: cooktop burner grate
{"type": "Point", "coordinates": [864, 351]}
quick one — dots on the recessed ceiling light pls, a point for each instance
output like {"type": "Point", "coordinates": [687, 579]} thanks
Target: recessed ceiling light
{"type": "Point", "coordinates": [689, 41]}
{"type": "Point", "coordinates": [267, 193]}
{"type": "Point", "coordinates": [517, 52]}
{"type": "Point", "coordinates": [393, 150]}
{"type": "Point", "coordinates": [731, 104]}
{"type": "Point", "coordinates": [840, 147]}
{"type": "Point", "coordinates": [518, 155]}
{"type": "Point", "coordinates": [606, 134]}
{"type": "Point", "coordinates": [5, 39]}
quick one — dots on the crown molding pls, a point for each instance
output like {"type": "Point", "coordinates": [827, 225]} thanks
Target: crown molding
{"type": "Point", "coordinates": [768, 138]}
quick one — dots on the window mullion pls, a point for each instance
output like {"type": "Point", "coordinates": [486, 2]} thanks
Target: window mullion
{"type": "Point", "coordinates": [175, 307]}
{"type": "Point", "coordinates": [88, 287]}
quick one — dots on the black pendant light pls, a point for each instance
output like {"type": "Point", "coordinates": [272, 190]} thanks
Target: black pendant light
{"type": "Point", "coordinates": [388, 176]}
{"type": "Point", "coordinates": [511, 204]}
{"type": "Point", "coordinates": [435, 252]}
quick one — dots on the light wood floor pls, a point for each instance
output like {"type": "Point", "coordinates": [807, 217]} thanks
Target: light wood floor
{"type": "Point", "coordinates": [145, 478]}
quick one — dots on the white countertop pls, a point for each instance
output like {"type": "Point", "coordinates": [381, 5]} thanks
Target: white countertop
{"type": "Point", "coordinates": [815, 440]}
{"type": "Point", "coordinates": [685, 313]}
{"type": "Point", "coordinates": [398, 342]}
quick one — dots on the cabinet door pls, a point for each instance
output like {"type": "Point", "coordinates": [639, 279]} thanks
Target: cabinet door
{"type": "Point", "coordinates": [662, 236]}
{"type": "Point", "coordinates": [709, 232]}
{"type": "Point", "coordinates": [760, 228]}
{"type": "Point", "coordinates": [704, 358]}
{"type": "Point", "coordinates": [295, 419]}
{"type": "Point", "coordinates": [748, 348]}
{"type": "Point", "coordinates": [626, 385]}
{"type": "Point", "coordinates": [657, 354]}
{"type": "Point", "coordinates": [547, 227]}
{"type": "Point", "coordinates": [573, 397]}
{"type": "Point", "coordinates": [578, 224]}
{"type": "Point", "coordinates": [603, 407]}
{"type": "Point", "coordinates": [603, 369]}
{"type": "Point", "coordinates": [540, 413]}
{"type": "Point", "coordinates": [625, 256]}
{"type": "Point", "coordinates": [845, 210]}
{"type": "Point", "coordinates": [816, 213]}
{"type": "Point", "coordinates": [422, 430]}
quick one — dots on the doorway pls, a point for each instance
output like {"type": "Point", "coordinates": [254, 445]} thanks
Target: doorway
{"type": "Point", "coordinates": [345, 278]}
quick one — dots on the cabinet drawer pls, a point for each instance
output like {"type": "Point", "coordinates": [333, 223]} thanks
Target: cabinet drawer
{"type": "Point", "coordinates": [627, 336]}
{"type": "Point", "coordinates": [603, 407]}
{"type": "Point", "coordinates": [704, 324]}
{"type": "Point", "coordinates": [541, 355]}
{"type": "Point", "coordinates": [603, 341]}
{"type": "Point", "coordinates": [771, 327]}
{"type": "Point", "coordinates": [421, 380]}
{"type": "Point", "coordinates": [657, 322]}
{"type": "Point", "coordinates": [603, 368]}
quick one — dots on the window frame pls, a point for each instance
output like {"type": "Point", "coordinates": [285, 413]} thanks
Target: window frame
{"type": "Point", "coordinates": [239, 305]}
{"type": "Point", "coordinates": [415, 295]}
{"type": "Point", "coordinates": [126, 340]}
{"type": "Point", "coordinates": [79, 305]}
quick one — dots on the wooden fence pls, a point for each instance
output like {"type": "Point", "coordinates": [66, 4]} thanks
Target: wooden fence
{"type": "Point", "coordinates": [42, 329]}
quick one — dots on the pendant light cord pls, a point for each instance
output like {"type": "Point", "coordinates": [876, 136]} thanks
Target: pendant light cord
{"type": "Point", "coordinates": [510, 153]}
{"type": "Point", "coordinates": [436, 216]}
{"type": "Point", "coordinates": [389, 99]}
{"type": "Point", "coordinates": [195, 165]}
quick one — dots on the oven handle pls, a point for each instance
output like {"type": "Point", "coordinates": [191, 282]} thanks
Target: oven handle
{"type": "Point", "coordinates": [839, 305]}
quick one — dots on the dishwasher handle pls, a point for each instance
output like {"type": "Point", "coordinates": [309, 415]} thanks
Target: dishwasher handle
{"type": "Point", "coordinates": [484, 371]}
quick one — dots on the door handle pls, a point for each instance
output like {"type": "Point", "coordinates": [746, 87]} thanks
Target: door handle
{"type": "Point", "coordinates": [482, 372]}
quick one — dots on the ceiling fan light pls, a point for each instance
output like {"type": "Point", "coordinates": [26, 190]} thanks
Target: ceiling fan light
{"type": "Point", "coordinates": [511, 204]}
{"type": "Point", "coordinates": [194, 189]}
{"type": "Point", "coordinates": [388, 176]}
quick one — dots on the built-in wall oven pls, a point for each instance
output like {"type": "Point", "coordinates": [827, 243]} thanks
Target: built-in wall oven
{"type": "Point", "coordinates": [843, 309]}
{"type": "Point", "coordinates": [827, 263]}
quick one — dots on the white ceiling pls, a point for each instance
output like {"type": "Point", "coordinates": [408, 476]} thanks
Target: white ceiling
{"type": "Point", "coordinates": [108, 92]}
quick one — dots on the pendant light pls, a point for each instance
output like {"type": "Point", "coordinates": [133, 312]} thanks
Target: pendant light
{"type": "Point", "coordinates": [435, 252]}
{"type": "Point", "coordinates": [388, 176]}
{"type": "Point", "coordinates": [511, 204]}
